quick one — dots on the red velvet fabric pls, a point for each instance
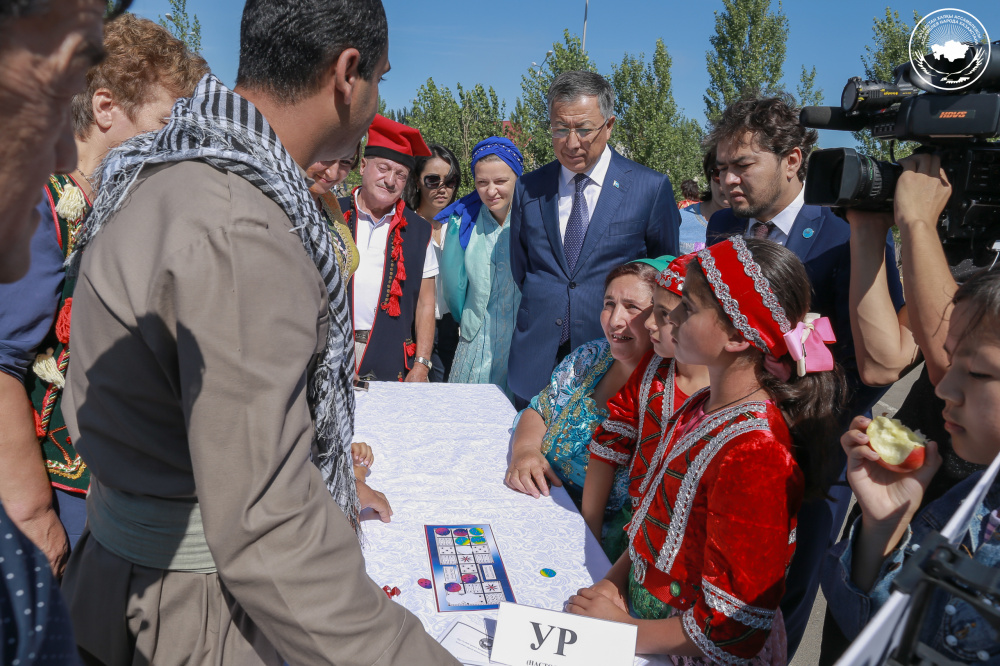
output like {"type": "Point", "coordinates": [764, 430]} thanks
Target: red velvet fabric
{"type": "Point", "coordinates": [714, 527]}
{"type": "Point", "coordinates": [615, 440]}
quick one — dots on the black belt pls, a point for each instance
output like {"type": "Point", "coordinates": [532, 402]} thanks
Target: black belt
{"type": "Point", "coordinates": [361, 336]}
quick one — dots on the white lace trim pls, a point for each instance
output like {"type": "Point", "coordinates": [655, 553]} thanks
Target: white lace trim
{"type": "Point", "coordinates": [647, 383]}
{"type": "Point", "coordinates": [729, 304]}
{"type": "Point", "coordinates": [737, 609]}
{"type": "Point", "coordinates": [689, 487]}
{"type": "Point", "coordinates": [711, 651]}
{"type": "Point", "coordinates": [791, 536]}
{"type": "Point", "coordinates": [761, 284]}
{"type": "Point", "coordinates": [623, 429]}
{"type": "Point", "coordinates": [608, 453]}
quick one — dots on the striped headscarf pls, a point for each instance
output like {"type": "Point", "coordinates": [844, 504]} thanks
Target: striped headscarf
{"type": "Point", "coordinates": [219, 127]}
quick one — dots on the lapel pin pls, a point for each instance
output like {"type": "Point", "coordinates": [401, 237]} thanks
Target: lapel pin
{"type": "Point", "coordinates": [616, 184]}
{"type": "Point", "coordinates": [807, 233]}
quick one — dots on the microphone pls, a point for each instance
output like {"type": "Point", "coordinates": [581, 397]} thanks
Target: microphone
{"type": "Point", "coordinates": [831, 118]}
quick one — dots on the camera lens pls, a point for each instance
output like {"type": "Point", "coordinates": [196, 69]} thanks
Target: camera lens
{"type": "Point", "coordinates": [877, 180]}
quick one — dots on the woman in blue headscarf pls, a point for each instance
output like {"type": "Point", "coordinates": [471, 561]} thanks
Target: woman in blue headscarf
{"type": "Point", "coordinates": [475, 266]}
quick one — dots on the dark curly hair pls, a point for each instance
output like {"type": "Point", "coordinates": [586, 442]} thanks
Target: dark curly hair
{"type": "Point", "coordinates": [772, 121]}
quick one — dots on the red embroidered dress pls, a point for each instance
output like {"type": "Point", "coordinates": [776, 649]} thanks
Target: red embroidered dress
{"type": "Point", "coordinates": [615, 439]}
{"type": "Point", "coordinates": [716, 499]}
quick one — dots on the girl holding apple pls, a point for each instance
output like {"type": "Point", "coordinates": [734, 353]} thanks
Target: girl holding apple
{"type": "Point", "coordinates": [858, 572]}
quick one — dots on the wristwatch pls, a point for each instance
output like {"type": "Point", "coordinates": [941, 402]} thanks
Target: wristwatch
{"type": "Point", "coordinates": [425, 361]}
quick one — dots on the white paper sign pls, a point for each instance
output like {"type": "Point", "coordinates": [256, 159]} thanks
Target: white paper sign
{"type": "Point", "coordinates": [527, 636]}
{"type": "Point", "coordinates": [469, 644]}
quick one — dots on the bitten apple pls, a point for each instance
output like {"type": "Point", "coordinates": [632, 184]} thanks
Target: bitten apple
{"type": "Point", "coordinates": [899, 448]}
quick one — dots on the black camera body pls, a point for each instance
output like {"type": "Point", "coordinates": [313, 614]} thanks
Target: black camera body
{"type": "Point", "coordinates": [955, 126]}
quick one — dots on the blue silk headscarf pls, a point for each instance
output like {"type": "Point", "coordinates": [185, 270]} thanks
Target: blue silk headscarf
{"type": "Point", "coordinates": [467, 208]}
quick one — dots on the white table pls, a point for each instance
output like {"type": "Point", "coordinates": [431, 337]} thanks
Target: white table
{"type": "Point", "coordinates": [440, 458]}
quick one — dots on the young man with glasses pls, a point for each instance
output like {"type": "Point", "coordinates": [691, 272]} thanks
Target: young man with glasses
{"type": "Point", "coordinates": [572, 221]}
{"type": "Point", "coordinates": [392, 292]}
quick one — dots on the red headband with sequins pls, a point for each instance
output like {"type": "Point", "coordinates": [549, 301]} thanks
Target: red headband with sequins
{"type": "Point", "coordinates": [672, 277]}
{"type": "Point", "coordinates": [745, 294]}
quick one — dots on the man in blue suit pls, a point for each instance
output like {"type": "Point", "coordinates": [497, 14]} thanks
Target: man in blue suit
{"type": "Point", "coordinates": [571, 222]}
{"type": "Point", "coordinates": [761, 158]}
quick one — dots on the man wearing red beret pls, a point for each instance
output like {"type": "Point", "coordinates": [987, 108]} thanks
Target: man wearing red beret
{"type": "Point", "coordinates": [392, 292]}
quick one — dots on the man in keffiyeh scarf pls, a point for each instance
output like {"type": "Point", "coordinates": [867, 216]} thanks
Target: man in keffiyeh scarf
{"type": "Point", "coordinates": [215, 358]}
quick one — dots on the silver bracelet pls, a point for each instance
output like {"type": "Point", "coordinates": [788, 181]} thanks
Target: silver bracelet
{"type": "Point", "coordinates": [425, 361]}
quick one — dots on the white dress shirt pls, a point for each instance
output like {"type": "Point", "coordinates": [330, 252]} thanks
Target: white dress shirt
{"type": "Point", "coordinates": [782, 222]}
{"type": "Point", "coordinates": [372, 239]}
{"type": "Point", "coordinates": [591, 192]}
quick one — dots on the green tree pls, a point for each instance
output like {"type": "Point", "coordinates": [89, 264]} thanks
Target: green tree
{"type": "Point", "coordinates": [531, 111]}
{"type": "Point", "coordinates": [186, 29]}
{"type": "Point", "coordinates": [481, 115]}
{"type": "Point", "coordinates": [748, 53]}
{"type": "Point", "coordinates": [891, 49]}
{"type": "Point", "coordinates": [458, 123]}
{"type": "Point", "coordinates": [808, 94]}
{"type": "Point", "coordinates": [436, 114]}
{"type": "Point", "coordinates": [650, 129]}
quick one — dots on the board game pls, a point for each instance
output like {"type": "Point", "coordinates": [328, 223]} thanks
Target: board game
{"type": "Point", "coordinates": [466, 568]}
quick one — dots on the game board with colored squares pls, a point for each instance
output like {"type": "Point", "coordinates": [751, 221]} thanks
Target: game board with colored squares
{"type": "Point", "coordinates": [466, 568]}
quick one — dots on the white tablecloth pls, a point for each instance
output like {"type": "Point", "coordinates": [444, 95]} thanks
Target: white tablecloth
{"type": "Point", "coordinates": [440, 458]}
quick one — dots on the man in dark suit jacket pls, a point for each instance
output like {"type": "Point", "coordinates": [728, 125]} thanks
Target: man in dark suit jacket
{"type": "Point", "coordinates": [572, 221]}
{"type": "Point", "coordinates": [761, 157]}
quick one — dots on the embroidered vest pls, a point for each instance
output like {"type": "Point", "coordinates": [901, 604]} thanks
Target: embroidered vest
{"type": "Point", "coordinates": [392, 341]}
{"type": "Point", "coordinates": [45, 381]}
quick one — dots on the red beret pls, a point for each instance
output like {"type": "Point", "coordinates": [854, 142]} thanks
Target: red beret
{"type": "Point", "coordinates": [395, 141]}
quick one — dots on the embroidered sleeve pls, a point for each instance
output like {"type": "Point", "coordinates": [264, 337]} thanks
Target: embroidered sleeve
{"type": "Point", "coordinates": [751, 516]}
{"type": "Point", "coordinates": [615, 439]}
{"type": "Point", "coordinates": [565, 380]}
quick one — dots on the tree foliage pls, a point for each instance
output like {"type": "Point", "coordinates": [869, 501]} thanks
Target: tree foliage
{"type": "Point", "coordinates": [650, 128]}
{"type": "Point", "coordinates": [747, 55]}
{"type": "Point", "coordinates": [891, 48]}
{"type": "Point", "coordinates": [186, 29]}
{"type": "Point", "coordinates": [808, 94]}
{"type": "Point", "coordinates": [457, 122]}
{"type": "Point", "coordinates": [531, 111]}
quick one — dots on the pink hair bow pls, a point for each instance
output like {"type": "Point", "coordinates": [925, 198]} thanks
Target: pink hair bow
{"type": "Point", "coordinates": [807, 344]}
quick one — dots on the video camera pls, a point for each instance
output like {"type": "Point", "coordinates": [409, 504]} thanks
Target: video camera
{"type": "Point", "coordinates": [953, 125]}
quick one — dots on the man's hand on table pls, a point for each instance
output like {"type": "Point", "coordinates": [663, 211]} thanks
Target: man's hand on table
{"type": "Point", "coordinates": [374, 500]}
{"type": "Point", "coordinates": [528, 473]}
{"type": "Point", "coordinates": [603, 601]}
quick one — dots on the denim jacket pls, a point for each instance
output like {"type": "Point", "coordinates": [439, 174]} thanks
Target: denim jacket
{"type": "Point", "coordinates": [951, 626]}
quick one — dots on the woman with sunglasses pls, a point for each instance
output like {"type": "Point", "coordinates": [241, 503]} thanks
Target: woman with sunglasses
{"type": "Point", "coordinates": [475, 268]}
{"type": "Point", "coordinates": [433, 185]}
{"type": "Point", "coordinates": [694, 218]}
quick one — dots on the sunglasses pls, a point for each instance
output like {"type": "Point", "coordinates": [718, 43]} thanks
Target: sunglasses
{"type": "Point", "coordinates": [434, 181]}
{"type": "Point", "coordinates": [714, 173]}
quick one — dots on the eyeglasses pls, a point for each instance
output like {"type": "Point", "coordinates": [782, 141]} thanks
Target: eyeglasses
{"type": "Point", "coordinates": [714, 173]}
{"type": "Point", "coordinates": [432, 181]}
{"type": "Point", "coordinates": [582, 133]}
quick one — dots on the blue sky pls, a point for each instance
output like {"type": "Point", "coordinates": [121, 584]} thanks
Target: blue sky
{"type": "Point", "coordinates": [494, 42]}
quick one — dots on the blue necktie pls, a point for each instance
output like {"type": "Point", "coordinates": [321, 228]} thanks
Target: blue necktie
{"type": "Point", "coordinates": [576, 231]}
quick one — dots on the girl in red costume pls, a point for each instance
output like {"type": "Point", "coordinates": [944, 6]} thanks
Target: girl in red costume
{"type": "Point", "coordinates": [659, 386]}
{"type": "Point", "coordinates": [715, 495]}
